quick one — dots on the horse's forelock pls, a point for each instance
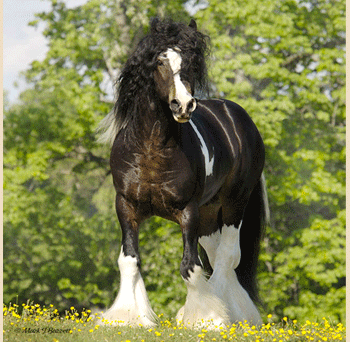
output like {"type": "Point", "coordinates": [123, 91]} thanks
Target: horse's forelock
{"type": "Point", "coordinates": [165, 34]}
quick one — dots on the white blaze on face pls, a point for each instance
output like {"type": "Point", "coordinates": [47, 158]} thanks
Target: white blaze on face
{"type": "Point", "coordinates": [181, 93]}
{"type": "Point", "coordinates": [174, 59]}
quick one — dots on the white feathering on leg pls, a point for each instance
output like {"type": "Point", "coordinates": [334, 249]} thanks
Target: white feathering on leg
{"type": "Point", "coordinates": [202, 308]}
{"type": "Point", "coordinates": [225, 282]}
{"type": "Point", "coordinates": [131, 306]}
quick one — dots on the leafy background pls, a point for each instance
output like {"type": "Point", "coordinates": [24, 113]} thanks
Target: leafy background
{"type": "Point", "coordinates": [283, 61]}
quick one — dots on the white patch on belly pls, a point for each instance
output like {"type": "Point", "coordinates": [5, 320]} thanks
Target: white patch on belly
{"type": "Point", "coordinates": [209, 162]}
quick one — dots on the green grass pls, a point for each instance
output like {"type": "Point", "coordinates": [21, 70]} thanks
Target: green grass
{"type": "Point", "coordinates": [45, 324]}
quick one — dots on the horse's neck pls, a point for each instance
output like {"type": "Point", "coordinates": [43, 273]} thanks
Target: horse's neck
{"type": "Point", "coordinates": [153, 126]}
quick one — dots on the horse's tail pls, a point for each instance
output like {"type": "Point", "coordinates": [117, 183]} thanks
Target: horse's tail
{"type": "Point", "coordinates": [256, 216]}
{"type": "Point", "coordinates": [107, 129]}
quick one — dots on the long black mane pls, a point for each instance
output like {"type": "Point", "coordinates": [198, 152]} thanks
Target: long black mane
{"type": "Point", "coordinates": [136, 85]}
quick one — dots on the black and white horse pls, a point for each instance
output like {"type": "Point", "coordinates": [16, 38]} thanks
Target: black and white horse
{"type": "Point", "coordinates": [196, 162]}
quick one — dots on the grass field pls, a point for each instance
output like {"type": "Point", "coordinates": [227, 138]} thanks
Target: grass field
{"type": "Point", "coordinates": [39, 324]}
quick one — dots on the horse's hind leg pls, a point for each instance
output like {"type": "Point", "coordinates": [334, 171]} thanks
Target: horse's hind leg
{"type": "Point", "coordinates": [224, 252]}
{"type": "Point", "coordinates": [202, 306]}
{"type": "Point", "coordinates": [222, 299]}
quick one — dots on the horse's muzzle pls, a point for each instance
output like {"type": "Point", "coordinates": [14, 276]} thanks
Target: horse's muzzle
{"type": "Point", "coordinates": [182, 118]}
{"type": "Point", "coordinates": [180, 115]}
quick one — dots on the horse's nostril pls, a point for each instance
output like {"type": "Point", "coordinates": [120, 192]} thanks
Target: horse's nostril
{"type": "Point", "coordinates": [191, 106]}
{"type": "Point", "coordinates": [175, 106]}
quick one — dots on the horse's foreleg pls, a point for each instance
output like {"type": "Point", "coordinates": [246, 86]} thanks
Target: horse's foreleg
{"type": "Point", "coordinates": [189, 221]}
{"type": "Point", "coordinates": [131, 305]}
{"type": "Point", "coordinates": [202, 307]}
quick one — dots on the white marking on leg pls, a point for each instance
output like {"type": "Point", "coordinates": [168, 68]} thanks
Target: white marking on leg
{"type": "Point", "coordinates": [131, 305]}
{"type": "Point", "coordinates": [222, 299]}
{"type": "Point", "coordinates": [224, 279]}
{"type": "Point", "coordinates": [229, 250]}
{"type": "Point", "coordinates": [209, 162]}
{"type": "Point", "coordinates": [202, 308]}
{"type": "Point", "coordinates": [210, 244]}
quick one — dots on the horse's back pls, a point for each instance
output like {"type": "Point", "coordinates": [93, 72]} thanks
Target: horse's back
{"type": "Point", "coordinates": [230, 122]}
{"type": "Point", "coordinates": [233, 134]}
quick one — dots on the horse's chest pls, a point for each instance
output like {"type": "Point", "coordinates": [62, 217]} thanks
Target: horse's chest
{"type": "Point", "coordinates": [161, 179]}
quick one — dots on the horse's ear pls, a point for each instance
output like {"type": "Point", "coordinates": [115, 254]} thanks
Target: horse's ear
{"type": "Point", "coordinates": [193, 24]}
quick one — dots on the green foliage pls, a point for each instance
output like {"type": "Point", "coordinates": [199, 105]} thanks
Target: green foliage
{"type": "Point", "coordinates": [309, 272]}
{"type": "Point", "coordinates": [49, 249]}
{"type": "Point", "coordinates": [161, 250]}
{"type": "Point", "coordinates": [283, 61]}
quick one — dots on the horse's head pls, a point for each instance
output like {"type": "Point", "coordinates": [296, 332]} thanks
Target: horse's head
{"type": "Point", "coordinates": [180, 65]}
{"type": "Point", "coordinates": [168, 63]}
{"type": "Point", "coordinates": [175, 85]}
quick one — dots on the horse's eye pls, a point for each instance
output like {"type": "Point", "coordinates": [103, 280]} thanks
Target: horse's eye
{"type": "Point", "coordinates": [159, 62]}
